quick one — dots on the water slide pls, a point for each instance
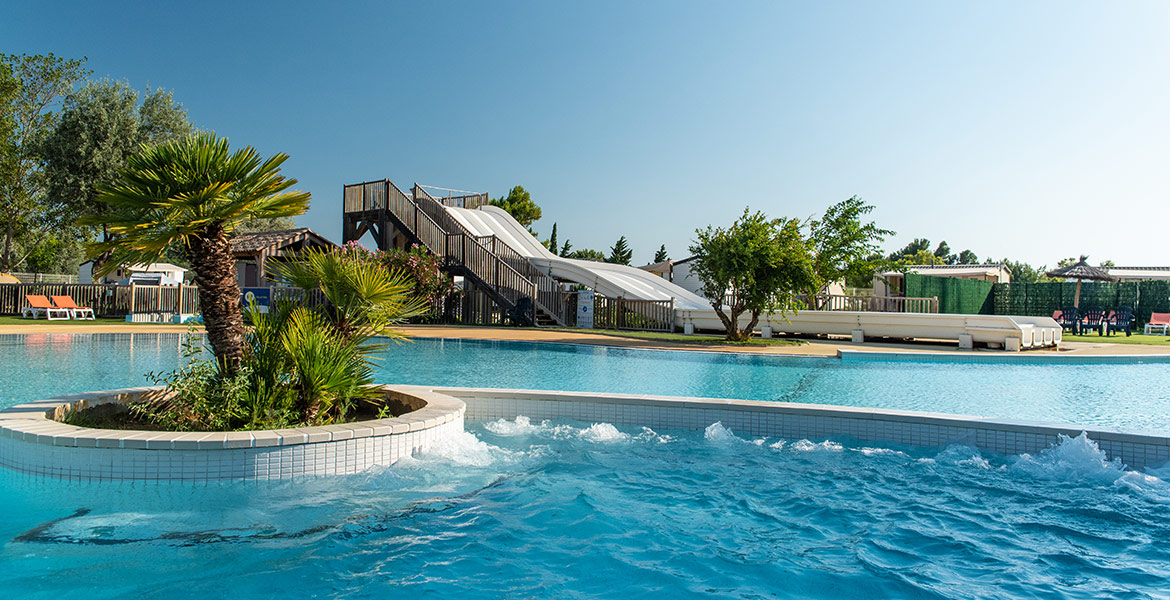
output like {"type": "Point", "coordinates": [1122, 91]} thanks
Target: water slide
{"type": "Point", "coordinates": [694, 312]}
{"type": "Point", "coordinates": [615, 281]}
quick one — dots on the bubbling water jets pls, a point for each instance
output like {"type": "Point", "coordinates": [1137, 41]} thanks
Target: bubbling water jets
{"type": "Point", "coordinates": [719, 434]}
{"type": "Point", "coordinates": [1071, 459]}
{"type": "Point", "coordinates": [521, 426]}
{"type": "Point", "coordinates": [464, 448]}
{"type": "Point", "coordinates": [963, 456]}
{"type": "Point", "coordinates": [810, 446]}
{"type": "Point", "coordinates": [603, 432]}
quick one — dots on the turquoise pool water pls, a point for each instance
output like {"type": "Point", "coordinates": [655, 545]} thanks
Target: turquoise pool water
{"type": "Point", "coordinates": [1123, 396]}
{"type": "Point", "coordinates": [516, 509]}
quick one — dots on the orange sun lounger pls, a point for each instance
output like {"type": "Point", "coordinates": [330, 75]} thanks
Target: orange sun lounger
{"type": "Point", "coordinates": [75, 311]}
{"type": "Point", "coordinates": [37, 305]}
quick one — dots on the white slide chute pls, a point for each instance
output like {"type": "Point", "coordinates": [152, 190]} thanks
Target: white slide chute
{"type": "Point", "coordinates": [615, 281]}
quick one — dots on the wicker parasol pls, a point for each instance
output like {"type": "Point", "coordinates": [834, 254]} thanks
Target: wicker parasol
{"type": "Point", "coordinates": [1081, 271]}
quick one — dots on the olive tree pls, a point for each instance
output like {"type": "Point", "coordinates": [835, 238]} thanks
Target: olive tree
{"type": "Point", "coordinates": [100, 127]}
{"type": "Point", "coordinates": [843, 245]}
{"type": "Point", "coordinates": [756, 266]}
{"type": "Point", "coordinates": [30, 88]}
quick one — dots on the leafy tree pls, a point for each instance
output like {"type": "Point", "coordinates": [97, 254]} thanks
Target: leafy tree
{"type": "Point", "coordinates": [968, 257]}
{"type": "Point", "coordinates": [1023, 272]}
{"type": "Point", "coordinates": [29, 87]}
{"type": "Point", "coordinates": [914, 248]}
{"type": "Point", "coordinates": [192, 194]}
{"type": "Point", "coordinates": [519, 204]}
{"type": "Point", "coordinates": [587, 254]}
{"type": "Point", "coordinates": [60, 252]}
{"type": "Point", "coordinates": [267, 224]}
{"type": "Point", "coordinates": [620, 253]}
{"type": "Point", "coordinates": [99, 128]}
{"type": "Point", "coordinates": [566, 249]}
{"type": "Point", "coordinates": [843, 245]}
{"type": "Point", "coordinates": [757, 265]}
{"type": "Point", "coordinates": [922, 257]}
{"type": "Point", "coordinates": [552, 244]}
{"type": "Point", "coordinates": [660, 255]}
{"type": "Point", "coordinates": [943, 253]}
{"type": "Point", "coordinates": [860, 274]}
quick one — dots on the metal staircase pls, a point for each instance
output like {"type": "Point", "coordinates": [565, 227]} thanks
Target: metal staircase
{"type": "Point", "coordinates": [380, 208]}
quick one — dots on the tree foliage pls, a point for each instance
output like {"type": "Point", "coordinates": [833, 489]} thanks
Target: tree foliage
{"type": "Point", "coordinates": [586, 254]}
{"type": "Point", "coordinates": [620, 253]}
{"type": "Point", "coordinates": [661, 255]}
{"type": "Point", "coordinates": [30, 87]}
{"type": "Point", "coordinates": [519, 204]}
{"type": "Point", "coordinates": [100, 127]}
{"type": "Point", "coordinates": [1023, 272]}
{"type": "Point", "coordinates": [552, 244]}
{"type": "Point", "coordinates": [755, 266]}
{"type": "Point", "coordinates": [267, 224]}
{"type": "Point", "coordinates": [843, 245]}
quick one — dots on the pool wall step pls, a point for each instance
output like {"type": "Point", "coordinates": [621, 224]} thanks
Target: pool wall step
{"type": "Point", "coordinates": [794, 421]}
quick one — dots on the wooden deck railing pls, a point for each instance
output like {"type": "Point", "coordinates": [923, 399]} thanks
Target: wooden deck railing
{"type": "Point", "coordinates": [623, 313]}
{"type": "Point", "coordinates": [106, 300]}
{"type": "Point", "coordinates": [873, 304]}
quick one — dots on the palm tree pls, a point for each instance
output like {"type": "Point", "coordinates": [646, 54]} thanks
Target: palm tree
{"type": "Point", "coordinates": [190, 194]}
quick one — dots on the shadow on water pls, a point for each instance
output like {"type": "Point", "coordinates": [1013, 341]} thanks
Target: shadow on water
{"type": "Point", "coordinates": [353, 527]}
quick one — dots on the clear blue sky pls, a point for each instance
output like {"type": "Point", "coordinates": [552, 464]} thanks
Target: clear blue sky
{"type": "Point", "coordinates": [1032, 130]}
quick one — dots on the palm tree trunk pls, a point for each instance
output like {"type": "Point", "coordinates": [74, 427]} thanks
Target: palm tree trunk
{"type": "Point", "coordinates": [219, 296]}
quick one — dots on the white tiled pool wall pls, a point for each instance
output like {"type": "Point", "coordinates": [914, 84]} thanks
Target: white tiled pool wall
{"type": "Point", "coordinates": [33, 443]}
{"type": "Point", "coordinates": [803, 422]}
{"type": "Point", "coordinates": [1042, 358]}
{"type": "Point", "coordinates": [320, 458]}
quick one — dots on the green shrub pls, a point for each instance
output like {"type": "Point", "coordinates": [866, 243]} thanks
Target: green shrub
{"type": "Point", "coordinates": [302, 365]}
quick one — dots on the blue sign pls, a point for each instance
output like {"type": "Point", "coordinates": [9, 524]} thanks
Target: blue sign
{"type": "Point", "coordinates": [262, 297]}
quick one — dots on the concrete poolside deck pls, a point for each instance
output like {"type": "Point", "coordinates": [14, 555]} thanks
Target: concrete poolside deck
{"type": "Point", "coordinates": [810, 347]}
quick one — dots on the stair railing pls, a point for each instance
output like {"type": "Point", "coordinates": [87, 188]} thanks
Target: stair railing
{"type": "Point", "coordinates": [457, 247]}
{"type": "Point", "coordinates": [547, 295]}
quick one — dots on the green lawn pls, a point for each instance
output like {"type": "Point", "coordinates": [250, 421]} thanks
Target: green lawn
{"type": "Point", "coordinates": [1119, 338]}
{"type": "Point", "coordinates": [17, 320]}
{"type": "Point", "coordinates": [699, 339]}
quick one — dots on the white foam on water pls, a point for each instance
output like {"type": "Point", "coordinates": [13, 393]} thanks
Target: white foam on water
{"type": "Point", "coordinates": [810, 446]}
{"type": "Point", "coordinates": [602, 432]}
{"type": "Point", "coordinates": [463, 448]}
{"type": "Point", "coordinates": [882, 451]}
{"type": "Point", "coordinates": [521, 426]}
{"type": "Point", "coordinates": [649, 435]}
{"type": "Point", "coordinates": [719, 434]}
{"type": "Point", "coordinates": [1071, 459]}
{"type": "Point", "coordinates": [777, 445]}
{"type": "Point", "coordinates": [597, 432]}
{"type": "Point", "coordinates": [963, 456]}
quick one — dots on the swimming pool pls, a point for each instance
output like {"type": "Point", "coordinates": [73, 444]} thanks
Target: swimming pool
{"type": "Point", "coordinates": [1122, 396]}
{"type": "Point", "coordinates": [581, 510]}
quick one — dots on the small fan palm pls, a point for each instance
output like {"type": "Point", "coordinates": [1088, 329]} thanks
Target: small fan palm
{"type": "Point", "coordinates": [364, 297]}
{"type": "Point", "coordinates": [191, 194]}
